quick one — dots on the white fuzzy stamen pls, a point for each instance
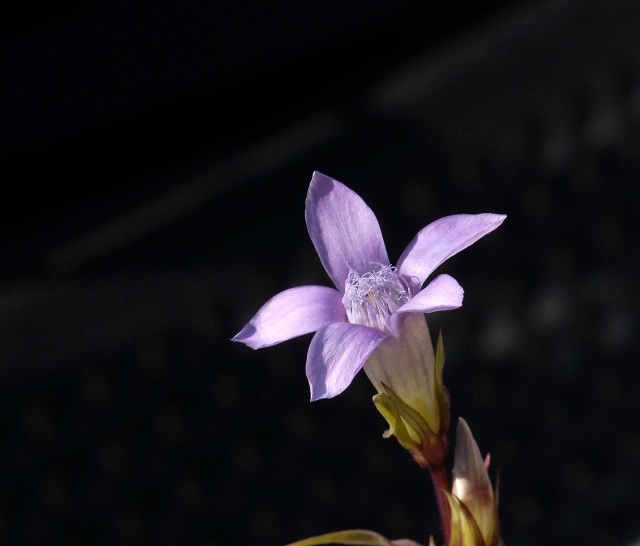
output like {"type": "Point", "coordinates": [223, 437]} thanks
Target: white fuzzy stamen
{"type": "Point", "coordinates": [372, 298]}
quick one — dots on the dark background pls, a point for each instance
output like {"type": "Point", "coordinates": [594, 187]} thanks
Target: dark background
{"type": "Point", "coordinates": [155, 159]}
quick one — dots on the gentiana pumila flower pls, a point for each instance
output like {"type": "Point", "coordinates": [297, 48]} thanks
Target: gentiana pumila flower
{"type": "Point", "coordinates": [474, 506]}
{"type": "Point", "coordinates": [373, 318]}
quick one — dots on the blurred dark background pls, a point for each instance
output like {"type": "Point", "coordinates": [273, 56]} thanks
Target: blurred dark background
{"type": "Point", "coordinates": [155, 159]}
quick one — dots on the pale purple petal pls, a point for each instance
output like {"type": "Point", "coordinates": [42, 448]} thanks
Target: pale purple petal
{"type": "Point", "coordinates": [343, 229]}
{"type": "Point", "coordinates": [441, 294]}
{"type": "Point", "coordinates": [442, 239]}
{"type": "Point", "coordinates": [336, 354]}
{"type": "Point", "coordinates": [292, 313]}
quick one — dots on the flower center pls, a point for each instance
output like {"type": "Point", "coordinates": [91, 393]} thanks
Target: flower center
{"type": "Point", "coordinates": [372, 298]}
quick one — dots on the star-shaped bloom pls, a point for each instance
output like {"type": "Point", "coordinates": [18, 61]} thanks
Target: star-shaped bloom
{"type": "Point", "coordinates": [373, 318]}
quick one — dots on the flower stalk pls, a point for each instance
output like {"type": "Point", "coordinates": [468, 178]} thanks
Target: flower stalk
{"type": "Point", "coordinates": [440, 487]}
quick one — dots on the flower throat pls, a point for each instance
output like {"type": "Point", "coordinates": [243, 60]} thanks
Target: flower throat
{"type": "Point", "coordinates": [372, 298]}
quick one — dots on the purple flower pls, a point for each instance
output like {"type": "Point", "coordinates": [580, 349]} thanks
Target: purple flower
{"type": "Point", "coordinates": [373, 318]}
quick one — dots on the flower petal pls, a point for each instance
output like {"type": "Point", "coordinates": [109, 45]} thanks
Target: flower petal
{"type": "Point", "coordinates": [442, 239]}
{"type": "Point", "coordinates": [336, 354]}
{"type": "Point", "coordinates": [292, 313]}
{"type": "Point", "coordinates": [441, 294]}
{"type": "Point", "coordinates": [343, 229]}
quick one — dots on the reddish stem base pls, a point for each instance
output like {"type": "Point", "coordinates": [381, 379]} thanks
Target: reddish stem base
{"type": "Point", "coordinates": [440, 483]}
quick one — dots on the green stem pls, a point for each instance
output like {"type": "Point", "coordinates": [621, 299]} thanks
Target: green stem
{"type": "Point", "coordinates": [440, 483]}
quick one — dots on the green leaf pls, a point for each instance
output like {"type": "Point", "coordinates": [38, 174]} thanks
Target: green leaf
{"type": "Point", "coordinates": [464, 529]}
{"type": "Point", "coordinates": [442, 395]}
{"type": "Point", "coordinates": [358, 537]}
{"type": "Point", "coordinates": [414, 420]}
{"type": "Point", "coordinates": [439, 359]}
{"type": "Point", "coordinates": [387, 407]}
